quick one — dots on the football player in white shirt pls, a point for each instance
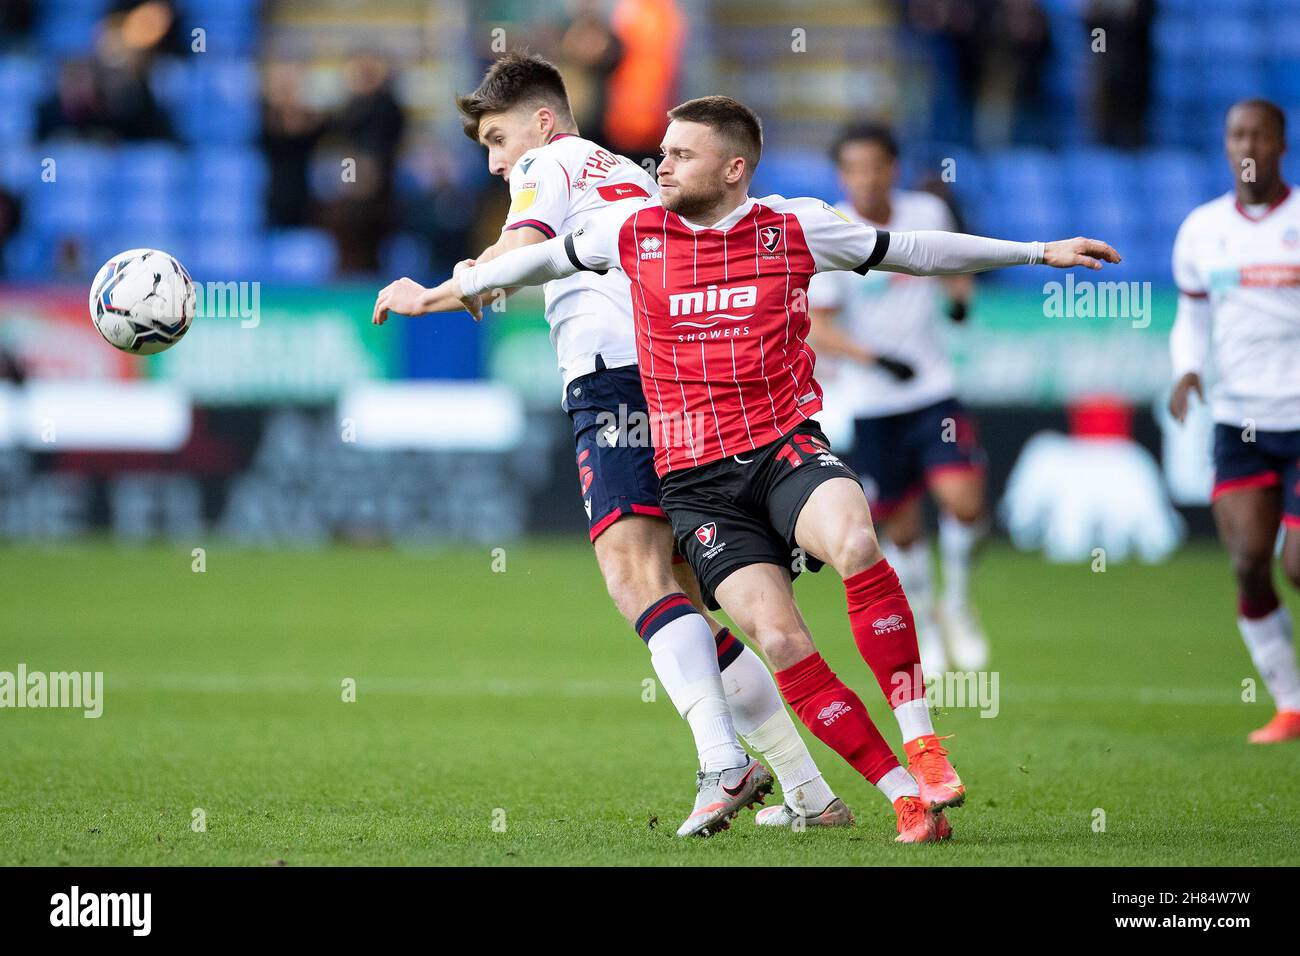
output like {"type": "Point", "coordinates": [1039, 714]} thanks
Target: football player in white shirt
{"type": "Point", "coordinates": [1236, 262]}
{"type": "Point", "coordinates": [877, 334]}
{"type": "Point", "coordinates": [558, 181]}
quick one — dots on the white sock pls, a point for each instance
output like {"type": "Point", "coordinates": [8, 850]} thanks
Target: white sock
{"type": "Point", "coordinates": [912, 565]}
{"type": "Point", "coordinates": [916, 575]}
{"type": "Point", "coordinates": [761, 718]}
{"type": "Point", "coordinates": [685, 659]}
{"type": "Point", "coordinates": [913, 719]}
{"type": "Point", "coordinates": [898, 783]}
{"type": "Point", "coordinates": [1271, 648]}
{"type": "Point", "coordinates": [957, 543]}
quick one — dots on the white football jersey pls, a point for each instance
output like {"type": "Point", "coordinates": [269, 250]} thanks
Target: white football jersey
{"type": "Point", "coordinates": [1248, 267]}
{"type": "Point", "coordinates": [556, 189]}
{"type": "Point", "coordinates": [889, 314]}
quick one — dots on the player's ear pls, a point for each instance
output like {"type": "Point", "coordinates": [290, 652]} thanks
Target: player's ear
{"type": "Point", "coordinates": [545, 118]}
{"type": "Point", "coordinates": [735, 170]}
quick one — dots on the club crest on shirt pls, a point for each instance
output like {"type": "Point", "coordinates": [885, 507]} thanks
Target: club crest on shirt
{"type": "Point", "coordinates": [770, 237]}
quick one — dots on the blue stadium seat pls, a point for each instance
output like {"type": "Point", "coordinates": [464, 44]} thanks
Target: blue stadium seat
{"type": "Point", "coordinates": [405, 254]}
{"type": "Point", "coordinates": [236, 211]}
{"type": "Point", "coordinates": [158, 166]}
{"type": "Point", "coordinates": [795, 173]}
{"type": "Point", "coordinates": [306, 256]}
{"type": "Point", "coordinates": [219, 103]}
{"type": "Point", "coordinates": [68, 29]}
{"type": "Point", "coordinates": [1226, 36]}
{"type": "Point", "coordinates": [27, 255]}
{"type": "Point", "coordinates": [1103, 174]}
{"type": "Point", "coordinates": [225, 257]}
{"type": "Point", "coordinates": [229, 169]}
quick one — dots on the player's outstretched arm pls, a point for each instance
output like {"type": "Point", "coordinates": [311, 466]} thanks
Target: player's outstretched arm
{"type": "Point", "coordinates": [534, 264]}
{"type": "Point", "coordinates": [408, 297]}
{"type": "Point", "coordinates": [933, 253]}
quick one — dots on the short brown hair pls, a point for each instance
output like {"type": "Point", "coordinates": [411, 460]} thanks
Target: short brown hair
{"type": "Point", "coordinates": [732, 119]}
{"type": "Point", "coordinates": [517, 79]}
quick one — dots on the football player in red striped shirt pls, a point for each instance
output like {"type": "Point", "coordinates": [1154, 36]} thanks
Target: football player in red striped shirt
{"type": "Point", "coordinates": [752, 488]}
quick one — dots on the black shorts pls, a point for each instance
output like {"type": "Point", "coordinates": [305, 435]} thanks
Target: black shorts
{"type": "Point", "coordinates": [1270, 459]}
{"type": "Point", "coordinates": [742, 510]}
{"type": "Point", "coordinates": [616, 469]}
{"type": "Point", "coordinates": [897, 455]}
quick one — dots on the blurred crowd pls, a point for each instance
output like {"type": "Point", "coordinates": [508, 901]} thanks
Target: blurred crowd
{"type": "Point", "coordinates": [992, 56]}
{"type": "Point", "coordinates": [992, 66]}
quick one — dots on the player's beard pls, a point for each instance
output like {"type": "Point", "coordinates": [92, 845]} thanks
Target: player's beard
{"type": "Point", "coordinates": [691, 204]}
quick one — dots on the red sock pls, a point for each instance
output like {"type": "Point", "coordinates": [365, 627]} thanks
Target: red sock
{"type": "Point", "coordinates": [885, 632]}
{"type": "Point", "coordinates": [836, 716]}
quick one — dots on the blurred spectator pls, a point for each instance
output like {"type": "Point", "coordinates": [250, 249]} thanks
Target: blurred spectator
{"type": "Point", "coordinates": [1017, 43]}
{"type": "Point", "coordinates": [148, 26]}
{"type": "Point", "coordinates": [290, 131]}
{"type": "Point", "coordinates": [11, 218]}
{"type": "Point", "coordinates": [17, 17]}
{"type": "Point", "coordinates": [369, 129]}
{"type": "Point", "coordinates": [124, 58]}
{"type": "Point", "coordinates": [997, 50]}
{"type": "Point", "coordinates": [107, 98]}
{"type": "Point", "coordinates": [644, 85]}
{"type": "Point", "coordinates": [1121, 76]}
{"type": "Point", "coordinates": [76, 107]}
{"type": "Point", "coordinates": [589, 54]}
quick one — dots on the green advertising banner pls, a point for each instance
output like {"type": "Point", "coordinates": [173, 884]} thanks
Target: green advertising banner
{"type": "Point", "coordinates": [1019, 346]}
{"type": "Point", "coordinates": [252, 343]}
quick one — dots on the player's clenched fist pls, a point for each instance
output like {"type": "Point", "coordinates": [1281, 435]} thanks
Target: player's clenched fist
{"type": "Point", "coordinates": [1067, 253]}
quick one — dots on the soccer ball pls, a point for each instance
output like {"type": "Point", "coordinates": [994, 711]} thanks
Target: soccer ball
{"type": "Point", "coordinates": [142, 301]}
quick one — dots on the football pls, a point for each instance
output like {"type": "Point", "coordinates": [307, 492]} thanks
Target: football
{"type": "Point", "coordinates": [142, 301]}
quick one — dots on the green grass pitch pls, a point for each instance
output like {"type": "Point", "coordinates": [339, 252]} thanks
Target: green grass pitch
{"type": "Point", "coordinates": [499, 718]}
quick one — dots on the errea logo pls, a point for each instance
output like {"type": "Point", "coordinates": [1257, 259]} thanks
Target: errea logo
{"type": "Point", "coordinates": [886, 625]}
{"type": "Point", "coordinates": [651, 248]}
{"type": "Point", "coordinates": [833, 712]}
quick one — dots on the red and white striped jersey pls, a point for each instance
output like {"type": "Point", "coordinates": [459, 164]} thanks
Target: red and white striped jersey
{"type": "Point", "coordinates": [721, 316]}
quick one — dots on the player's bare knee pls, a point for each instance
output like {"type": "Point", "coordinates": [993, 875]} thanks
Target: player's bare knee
{"type": "Point", "coordinates": [782, 644]}
{"type": "Point", "coordinates": [635, 585]}
{"type": "Point", "coordinates": [856, 550]}
{"type": "Point", "coordinates": [967, 512]}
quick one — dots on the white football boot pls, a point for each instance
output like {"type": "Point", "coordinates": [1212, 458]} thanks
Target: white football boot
{"type": "Point", "coordinates": [836, 814]}
{"type": "Point", "coordinates": [929, 641]}
{"type": "Point", "coordinates": [968, 646]}
{"type": "Point", "coordinates": [721, 794]}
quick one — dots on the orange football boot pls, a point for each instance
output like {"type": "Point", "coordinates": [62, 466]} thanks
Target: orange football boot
{"type": "Point", "coordinates": [1285, 725]}
{"type": "Point", "coordinates": [927, 761]}
{"type": "Point", "coordinates": [916, 824]}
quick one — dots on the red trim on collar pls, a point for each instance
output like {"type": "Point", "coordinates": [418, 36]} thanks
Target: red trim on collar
{"type": "Point", "coordinates": [555, 136]}
{"type": "Point", "coordinates": [1286, 194]}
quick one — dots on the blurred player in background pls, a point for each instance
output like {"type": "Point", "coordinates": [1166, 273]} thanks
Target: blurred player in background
{"type": "Point", "coordinates": [558, 181]}
{"type": "Point", "coordinates": [911, 434]}
{"type": "Point", "coordinates": [1237, 266]}
{"type": "Point", "coordinates": [749, 481]}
